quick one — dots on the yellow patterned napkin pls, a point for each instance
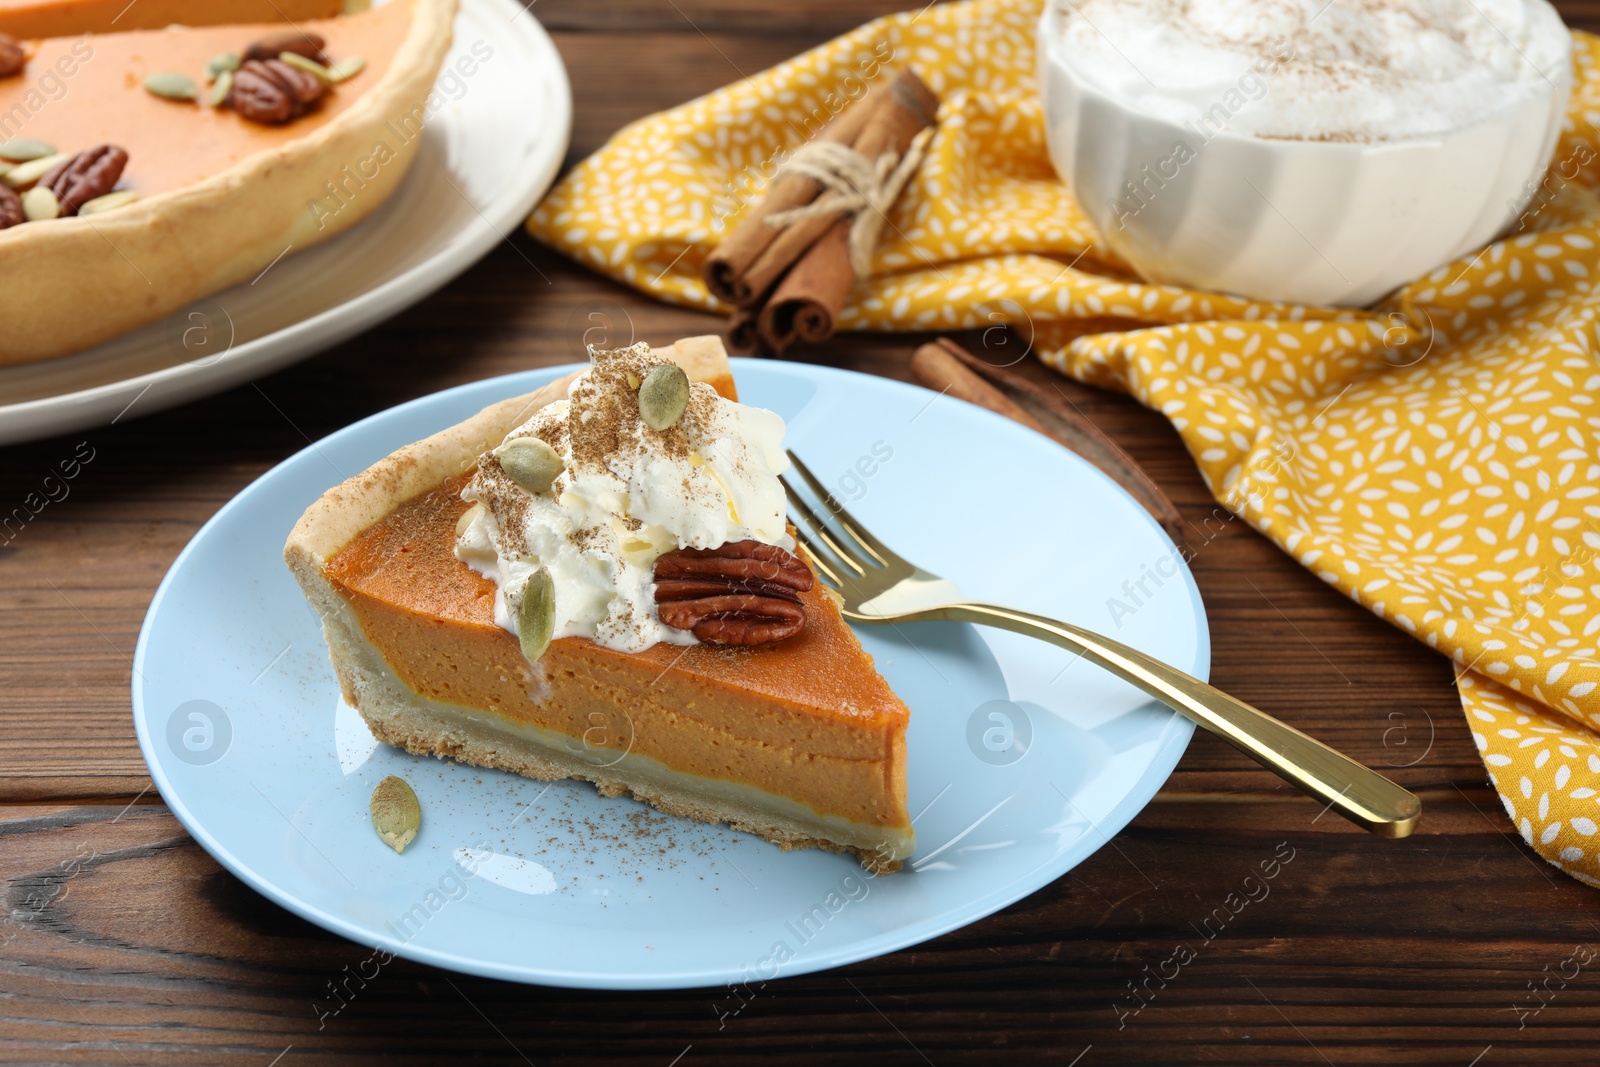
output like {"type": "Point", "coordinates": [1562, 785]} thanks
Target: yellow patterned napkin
{"type": "Point", "coordinates": [1436, 459]}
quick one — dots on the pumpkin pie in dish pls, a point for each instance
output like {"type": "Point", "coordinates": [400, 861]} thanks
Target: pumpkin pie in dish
{"type": "Point", "coordinates": [597, 580]}
{"type": "Point", "coordinates": [143, 170]}
{"type": "Point", "coordinates": [62, 18]}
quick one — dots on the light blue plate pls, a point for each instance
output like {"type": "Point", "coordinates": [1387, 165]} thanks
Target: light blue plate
{"type": "Point", "coordinates": [1023, 760]}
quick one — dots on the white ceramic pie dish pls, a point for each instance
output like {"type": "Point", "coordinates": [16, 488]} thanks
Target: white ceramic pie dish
{"type": "Point", "coordinates": [1315, 222]}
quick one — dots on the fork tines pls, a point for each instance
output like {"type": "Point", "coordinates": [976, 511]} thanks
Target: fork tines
{"type": "Point", "coordinates": [848, 544]}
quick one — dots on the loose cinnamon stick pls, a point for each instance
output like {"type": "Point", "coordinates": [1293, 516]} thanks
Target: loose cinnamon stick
{"type": "Point", "coordinates": [944, 364]}
{"type": "Point", "coordinates": [727, 263]}
{"type": "Point", "coordinates": [934, 366]}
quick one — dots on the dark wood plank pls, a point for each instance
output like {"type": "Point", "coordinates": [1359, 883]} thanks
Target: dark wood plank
{"type": "Point", "coordinates": [124, 942]}
{"type": "Point", "coordinates": [801, 24]}
{"type": "Point", "coordinates": [661, 70]}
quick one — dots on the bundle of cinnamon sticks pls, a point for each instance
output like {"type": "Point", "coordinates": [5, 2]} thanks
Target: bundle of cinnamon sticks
{"type": "Point", "coordinates": [788, 281]}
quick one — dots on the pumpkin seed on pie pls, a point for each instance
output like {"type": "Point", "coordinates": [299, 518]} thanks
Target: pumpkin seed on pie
{"type": "Point", "coordinates": [22, 149]}
{"type": "Point", "coordinates": [218, 65]}
{"type": "Point", "coordinates": [25, 174]}
{"type": "Point", "coordinates": [536, 615]}
{"type": "Point", "coordinates": [171, 85]}
{"type": "Point", "coordinates": [347, 68]}
{"type": "Point", "coordinates": [531, 463]}
{"type": "Point", "coordinates": [310, 66]}
{"type": "Point", "coordinates": [664, 396]}
{"type": "Point", "coordinates": [220, 90]}
{"type": "Point", "coordinates": [109, 202]}
{"type": "Point", "coordinates": [39, 204]}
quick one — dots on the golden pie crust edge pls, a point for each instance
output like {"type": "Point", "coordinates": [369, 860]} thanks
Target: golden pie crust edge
{"type": "Point", "coordinates": [344, 511]}
{"type": "Point", "coordinates": [76, 282]}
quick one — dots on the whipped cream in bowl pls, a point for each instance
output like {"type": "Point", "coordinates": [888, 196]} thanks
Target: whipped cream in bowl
{"type": "Point", "coordinates": [626, 495]}
{"type": "Point", "coordinates": [1301, 150]}
{"type": "Point", "coordinates": [1351, 70]}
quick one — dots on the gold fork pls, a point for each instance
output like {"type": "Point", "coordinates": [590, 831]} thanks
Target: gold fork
{"type": "Point", "coordinates": [879, 586]}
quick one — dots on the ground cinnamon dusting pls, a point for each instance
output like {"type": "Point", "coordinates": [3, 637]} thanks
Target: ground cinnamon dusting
{"type": "Point", "coordinates": [613, 461]}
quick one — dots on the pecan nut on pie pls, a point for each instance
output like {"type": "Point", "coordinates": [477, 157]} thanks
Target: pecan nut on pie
{"type": "Point", "coordinates": [597, 581]}
{"type": "Point", "coordinates": [154, 153]}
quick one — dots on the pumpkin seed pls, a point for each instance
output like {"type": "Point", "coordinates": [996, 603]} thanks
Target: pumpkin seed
{"type": "Point", "coordinates": [536, 615]}
{"type": "Point", "coordinates": [310, 66]}
{"type": "Point", "coordinates": [531, 463]}
{"type": "Point", "coordinates": [109, 202]}
{"type": "Point", "coordinates": [396, 815]}
{"type": "Point", "coordinates": [664, 396]}
{"type": "Point", "coordinates": [218, 65]}
{"type": "Point", "coordinates": [25, 174]}
{"type": "Point", "coordinates": [219, 91]}
{"type": "Point", "coordinates": [20, 150]}
{"type": "Point", "coordinates": [171, 85]}
{"type": "Point", "coordinates": [347, 68]}
{"type": "Point", "coordinates": [39, 204]}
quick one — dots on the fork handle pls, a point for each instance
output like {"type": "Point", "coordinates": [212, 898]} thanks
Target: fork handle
{"type": "Point", "coordinates": [1360, 794]}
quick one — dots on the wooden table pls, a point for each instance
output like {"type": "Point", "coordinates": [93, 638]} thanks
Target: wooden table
{"type": "Point", "coordinates": [124, 943]}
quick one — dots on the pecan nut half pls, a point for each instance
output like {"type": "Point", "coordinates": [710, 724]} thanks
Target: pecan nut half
{"type": "Point", "coordinates": [11, 213]}
{"type": "Point", "coordinates": [272, 92]}
{"type": "Point", "coordinates": [89, 174]}
{"type": "Point", "coordinates": [310, 45]}
{"type": "Point", "coordinates": [744, 593]}
{"type": "Point", "coordinates": [13, 57]}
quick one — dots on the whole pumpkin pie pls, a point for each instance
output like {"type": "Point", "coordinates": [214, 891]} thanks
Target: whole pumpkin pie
{"type": "Point", "coordinates": [186, 159]}
{"type": "Point", "coordinates": [61, 18]}
{"type": "Point", "coordinates": [559, 588]}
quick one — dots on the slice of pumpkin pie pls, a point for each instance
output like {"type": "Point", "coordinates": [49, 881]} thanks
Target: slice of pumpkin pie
{"type": "Point", "coordinates": [597, 581]}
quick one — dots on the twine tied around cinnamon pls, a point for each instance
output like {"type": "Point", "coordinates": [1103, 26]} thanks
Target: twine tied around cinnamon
{"type": "Point", "coordinates": [853, 185]}
{"type": "Point", "coordinates": [788, 266]}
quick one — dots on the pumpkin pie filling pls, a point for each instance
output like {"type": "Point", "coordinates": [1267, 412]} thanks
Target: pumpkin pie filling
{"type": "Point", "coordinates": [798, 740]}
{"type": "Point", "coordinates": [830, 739]}
{"type": "Point", "coordinates": [60, 18]}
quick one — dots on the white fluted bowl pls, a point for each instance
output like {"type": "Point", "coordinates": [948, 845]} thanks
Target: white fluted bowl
{"type": "Point", "coordinates": [1314, 222]}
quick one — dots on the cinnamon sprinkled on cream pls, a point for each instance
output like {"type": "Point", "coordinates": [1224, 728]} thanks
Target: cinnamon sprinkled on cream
{"type": "Point", "coordinates": [627, 495]}
{"type": "Point", "coordinates": [1352, 70]}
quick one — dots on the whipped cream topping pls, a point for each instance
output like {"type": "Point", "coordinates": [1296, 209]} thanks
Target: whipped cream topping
{"type": "Point", "coordinates": [628, 494]}
{"type": "Point", "coordinates": [1359, 70]}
